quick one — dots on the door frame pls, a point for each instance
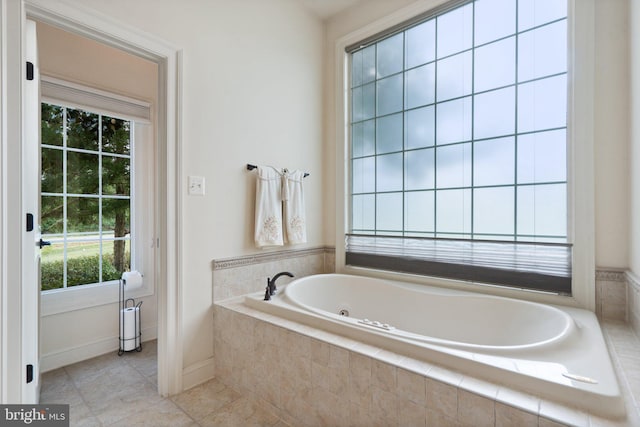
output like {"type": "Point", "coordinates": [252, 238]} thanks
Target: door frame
{"type": "Point", "coordinates": [88, 23]}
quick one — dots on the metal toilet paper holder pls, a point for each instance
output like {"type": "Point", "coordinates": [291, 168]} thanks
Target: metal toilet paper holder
{"type": "Point", "coordinates": [122, 306]}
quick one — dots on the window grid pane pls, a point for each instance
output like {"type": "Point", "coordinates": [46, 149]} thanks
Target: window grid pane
{"type": "Point", "coordinates": [85, 197]}
{"type": "Point", "coordinates": [475, 121]}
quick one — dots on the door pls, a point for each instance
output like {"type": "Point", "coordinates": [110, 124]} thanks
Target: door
{"type": "Point", "coordinates": [31, 207]}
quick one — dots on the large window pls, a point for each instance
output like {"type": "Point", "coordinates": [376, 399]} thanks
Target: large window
{"type": "Point", "coordinates": [458, 148]}
{"type": "Point", "coordinates": [85, 197]}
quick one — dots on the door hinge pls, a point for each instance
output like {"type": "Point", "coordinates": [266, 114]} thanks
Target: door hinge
{"type": "Point", "coordinates": [29, 373]}
{"type": "Point", "coordinates": [29, 70]}
{"type": "Point", "coordinates": [29, 222]}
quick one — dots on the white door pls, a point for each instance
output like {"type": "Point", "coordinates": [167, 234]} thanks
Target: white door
{"type": "Point", "coordinates": [31, 208]}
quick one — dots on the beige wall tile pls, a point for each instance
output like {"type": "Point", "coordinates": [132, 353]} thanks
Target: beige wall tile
{"type": "Point", "coordinates": [475, 410]}
{"type": "Point", "coordinates": [442, 398]}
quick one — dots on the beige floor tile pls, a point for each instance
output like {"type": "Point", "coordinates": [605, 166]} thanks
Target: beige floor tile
{"type": "Point", "coordinates": [202, 400]}
{"type": "Point", "coordinates": [112, 390]}
{"type": "Point", "coordinates": [166, 413]}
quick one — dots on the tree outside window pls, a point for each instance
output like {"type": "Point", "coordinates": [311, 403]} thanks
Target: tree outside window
{"type": "Point", "coordinates": [85, 197]}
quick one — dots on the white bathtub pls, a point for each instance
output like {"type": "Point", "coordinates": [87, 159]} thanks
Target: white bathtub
{"type": "Point", "coordinates": [557, 353]}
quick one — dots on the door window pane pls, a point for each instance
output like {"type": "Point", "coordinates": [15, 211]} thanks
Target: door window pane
{"type": "Point", "coordinates": [52, 214]}
{"type": "Point", "coordinates": [115, 136]}
{"type": "Point", "coordinates": [51, 129]}
{"type": "Point", "coordinates": [116, 176]}
{"type": "Point", "coordinates": [85, 197]}
{"type": "Point", "coordinates": [82, 173]}
{"type": "Point", "coordinates": [52, 172]}
{"type": "Point", "coordinates": [82, 215]}
{"type": "Point", "coordinates": [82, 130]}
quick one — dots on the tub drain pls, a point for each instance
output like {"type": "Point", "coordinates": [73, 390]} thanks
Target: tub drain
{"type": "Point", "coordinates": [344, 312]}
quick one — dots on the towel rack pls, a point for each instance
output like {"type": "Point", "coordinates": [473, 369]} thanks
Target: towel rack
{"type": "Point", "coordinates": [251, 167]}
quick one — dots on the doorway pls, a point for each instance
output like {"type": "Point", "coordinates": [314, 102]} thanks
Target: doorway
{"type": "Point", "coordinates": [166, 236]}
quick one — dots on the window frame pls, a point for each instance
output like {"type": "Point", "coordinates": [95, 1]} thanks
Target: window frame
{"type": "Point", "coordinates": [580, 173]}
{"type": "Point", "coordinates": [142, 221]}
{"type": "Point", "coordinates": [64, 149]}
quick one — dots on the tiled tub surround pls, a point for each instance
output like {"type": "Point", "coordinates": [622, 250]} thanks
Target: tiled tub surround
{"type": "Point", "coordinates": [632, 295]}
{"type": "Point", "coordinates": [522, 344]}
{"type": "Point", "coordinates": [312, 377]}
{"type": "Point", "coordinates": [611, 295]}
{"type": "Point", "coordinates": [286, 365]}
{"type": "Point", "coordinates": [237, 276]}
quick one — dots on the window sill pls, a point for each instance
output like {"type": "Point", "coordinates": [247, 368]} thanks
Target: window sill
{"type": "Point", "coordinates": [82, 297]}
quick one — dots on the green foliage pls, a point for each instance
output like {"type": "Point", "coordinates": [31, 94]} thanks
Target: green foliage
{"type": "Point", "coordinates": [80, 271]}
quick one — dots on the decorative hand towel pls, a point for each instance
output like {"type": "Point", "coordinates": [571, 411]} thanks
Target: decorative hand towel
{"type": "Point", "coordinates": [294, 215]}
{"type": "Point", "coordinates": [268, 207]}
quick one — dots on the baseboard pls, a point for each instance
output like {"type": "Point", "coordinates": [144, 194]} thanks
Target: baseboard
{"type": "Point", "coordinates": [198, 373]}
{"type": "Point", "coordinates": [69, 356]}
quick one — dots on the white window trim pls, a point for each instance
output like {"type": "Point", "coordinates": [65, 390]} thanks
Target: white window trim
{"type": "Point", "coordinates": [581, 173]}
{"type": "Point", "coordinates": [144, 244]}
{"type": "Point", "coordinates": [56, 91]}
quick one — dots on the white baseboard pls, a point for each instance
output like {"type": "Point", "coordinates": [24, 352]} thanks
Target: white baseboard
{"type": "Point", "coordinates": [198, 373]}
{"type": "Point", "coordinates": [69, 356]}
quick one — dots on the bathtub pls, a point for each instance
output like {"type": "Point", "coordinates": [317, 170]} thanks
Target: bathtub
{"type": "Point", "coordinates": [554, 352]}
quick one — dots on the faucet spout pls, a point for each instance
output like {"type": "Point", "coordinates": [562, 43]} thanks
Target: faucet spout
{"type": "Point", "coordinates": [271, 283]}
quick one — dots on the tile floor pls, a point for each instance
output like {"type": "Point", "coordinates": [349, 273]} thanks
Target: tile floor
{"type": "Point", "coordinates": [121, 391]}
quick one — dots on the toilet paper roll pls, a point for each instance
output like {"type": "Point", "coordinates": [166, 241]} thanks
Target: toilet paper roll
{"type": "Point", "coordinates": [129, 316]}
{"type": "Point", "coordinates": [132, 280]}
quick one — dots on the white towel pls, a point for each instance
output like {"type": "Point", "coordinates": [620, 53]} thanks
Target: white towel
{"type": "Point", "coordinates": [294, 215]}
{"type": "Point", "coordinates": [268, 230]}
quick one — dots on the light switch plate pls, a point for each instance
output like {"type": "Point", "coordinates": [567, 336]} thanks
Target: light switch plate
{"type": "Point", "coordinates": [196, 185]}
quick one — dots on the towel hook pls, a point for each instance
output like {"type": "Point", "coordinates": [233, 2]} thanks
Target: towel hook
{"type": "Point", "coordinates": [251, 167]}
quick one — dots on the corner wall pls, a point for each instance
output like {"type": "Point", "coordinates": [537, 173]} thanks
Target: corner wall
{"type": "Point", "coordinates": [251, 93]}
{"type": "Point", "coordinates": [634, 120]}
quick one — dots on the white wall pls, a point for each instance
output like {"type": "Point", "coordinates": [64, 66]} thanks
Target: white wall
{"type": "Point", "coordinates": [74, 335]}
{"type": "Point", "coordinates": [612, 133]}
{"type": "Point", "coordinates": [634, 157]}
{"type": "Point", "coordinates": [611, 127]}
{"type": "Point", "coordinates": [252, 93]}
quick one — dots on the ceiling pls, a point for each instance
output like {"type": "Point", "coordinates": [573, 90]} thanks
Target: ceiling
{"type": "Point", "coordinates": [326, 8]}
